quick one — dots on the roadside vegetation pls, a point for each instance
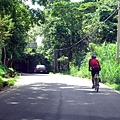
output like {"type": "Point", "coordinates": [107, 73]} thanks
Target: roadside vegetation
{"type": "Point", "coordinates": [8, 76]}
{"type": "Point", "coordinates": [110, 68]}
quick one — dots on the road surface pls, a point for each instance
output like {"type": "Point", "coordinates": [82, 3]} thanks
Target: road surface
{"type": "Point", "coordinates": [58, 97]}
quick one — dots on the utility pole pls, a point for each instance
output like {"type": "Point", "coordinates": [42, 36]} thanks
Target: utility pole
{"type": "Point", "coordinates": [118, 34]}
{"type": "Point", "coordinates": [55, 60]}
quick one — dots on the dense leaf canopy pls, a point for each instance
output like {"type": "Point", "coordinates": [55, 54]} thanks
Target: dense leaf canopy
{"type": "Point", "coordinates": [67, 28]}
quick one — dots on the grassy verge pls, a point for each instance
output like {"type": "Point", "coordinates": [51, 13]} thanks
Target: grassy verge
{"type": "Point", "coordinates": [110, 72]}
{"type": "Point", "coordinates": [8, 76]}
{"type": "Point", "coordinates": [7, 82]}
{"type": "Point", "coordinates": [114, 86]}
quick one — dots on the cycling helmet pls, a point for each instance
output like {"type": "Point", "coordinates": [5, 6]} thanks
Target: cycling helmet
{"type": "Point", "coordinates": [93, 56]}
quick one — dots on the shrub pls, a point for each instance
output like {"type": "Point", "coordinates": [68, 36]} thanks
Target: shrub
{"type": "Point", "coordinates": [11, 81]}
{"type": "Point", "coordinates": [74, 70]}
{"type": "Point", "coordinates": [106, 53]}
{"type": "Point", "coordinates": [1, 79]}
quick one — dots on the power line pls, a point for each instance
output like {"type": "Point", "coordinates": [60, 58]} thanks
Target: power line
{"type": "Point", "coordinates": [91, 32]}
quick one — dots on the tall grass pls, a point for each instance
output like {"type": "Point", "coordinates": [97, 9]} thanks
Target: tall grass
{"type": "Point", "coordinates": [5, 79]}
{"type": "Point", "coordinates": [106, 53]}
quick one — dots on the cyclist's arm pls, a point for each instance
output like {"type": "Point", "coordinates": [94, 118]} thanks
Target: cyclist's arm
{"type": "Point", "coordinates": [89, 68]}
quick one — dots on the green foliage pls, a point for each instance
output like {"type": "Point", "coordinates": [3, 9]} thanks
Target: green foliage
{"type": "Point", "coordinates": [114, 86]}
{"type": "Point", "coordinates": [5, 79]}
{"type": "Point", "coordinates": [16, 21]}
{"type": "Point", "coordinates": [3, 69]}
{"type": "Point", "coordinates": [106, 54]}
{"type": "Point", "coordinates": [6, 25]}
{"type": "Point", "coordinates": [73, 70]}
{"type": "Point", "coordinates": [1, 79]}
{"type": "Point", "coordinates": [87, 7]}
{"type": "Point", "coordinates": [11, 81]}
{"type": "Point", "coordinates": [47, 3]}
{"type": "Point", "coordinates": [62, 29]}
{"type": "Point", "coordinates": [63, 58]}
{"type": "Point", "coordinates": [62, 23]}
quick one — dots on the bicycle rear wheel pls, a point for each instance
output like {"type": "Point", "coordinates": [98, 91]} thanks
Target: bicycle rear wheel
{"type": "Point", "coordinates": [97, 89]}
{"type": "Point", "coordinates": [97, 84]}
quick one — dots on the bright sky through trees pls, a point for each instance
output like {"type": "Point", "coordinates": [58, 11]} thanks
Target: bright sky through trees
{"type": "Point", "coordinates": [76, 0]}
{"type": "Point", "coordinates": [37, 6]}
{"type": "Point", "coordinates": [28, 2]}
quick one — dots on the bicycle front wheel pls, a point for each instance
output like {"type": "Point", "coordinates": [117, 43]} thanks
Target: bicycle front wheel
{"type": "Point", "coordinates": [97, 89]}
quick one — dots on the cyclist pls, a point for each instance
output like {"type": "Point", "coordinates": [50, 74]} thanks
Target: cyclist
{"type": "Point", "coordinates": [94, 66]}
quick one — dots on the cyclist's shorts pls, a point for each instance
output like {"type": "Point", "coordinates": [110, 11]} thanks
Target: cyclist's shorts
{"type": "Point", "coordinates": [94, 70]}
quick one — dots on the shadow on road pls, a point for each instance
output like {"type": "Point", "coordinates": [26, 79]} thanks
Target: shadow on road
{"type": "Point", "coordinates": [55, 101]}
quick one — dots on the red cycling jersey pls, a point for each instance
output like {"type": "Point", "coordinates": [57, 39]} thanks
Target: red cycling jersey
{"type": "Point", "coordinates": [94, 63]}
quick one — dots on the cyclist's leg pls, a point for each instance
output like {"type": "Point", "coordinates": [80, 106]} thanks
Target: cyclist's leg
{"type": "Point", "coordinates": [98, 71]}
{"type": "Point", "coordinates": [93, 75]}
{"type": "Point", "coordinates": [99, 77]}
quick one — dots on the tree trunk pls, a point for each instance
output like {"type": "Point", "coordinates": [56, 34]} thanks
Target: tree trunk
{"type": "Point", "coordinates": [3, 59]}
{"type": "Point", "coordinates": [58, 63]}
{"type": "Point", "coordinates": [69, 59]}
{"type": "Point", "coordinates": [55, 61]}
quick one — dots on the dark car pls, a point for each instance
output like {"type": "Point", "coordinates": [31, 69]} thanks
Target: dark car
{"type": "Point", "coordinates": [41, 69]}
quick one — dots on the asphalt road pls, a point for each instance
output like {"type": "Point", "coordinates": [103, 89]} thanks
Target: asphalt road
{"type": "Point", "coordinates": [58, 97]}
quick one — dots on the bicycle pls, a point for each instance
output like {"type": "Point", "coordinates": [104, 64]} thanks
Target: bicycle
{"type": "Point", "coordinates": [96, 82]}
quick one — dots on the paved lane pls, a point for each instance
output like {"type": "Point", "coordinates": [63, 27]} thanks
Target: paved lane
{"type": "Point", "coordinates": [58, 97]}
